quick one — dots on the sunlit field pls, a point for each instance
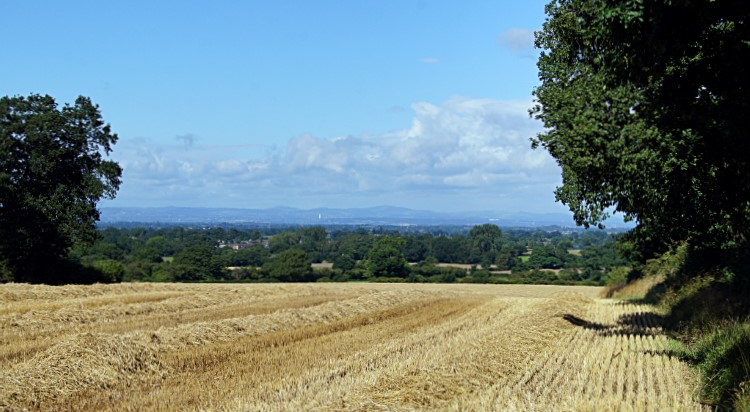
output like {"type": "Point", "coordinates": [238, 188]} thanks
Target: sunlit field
{"type": "Point", "coordinates": [333, 347]}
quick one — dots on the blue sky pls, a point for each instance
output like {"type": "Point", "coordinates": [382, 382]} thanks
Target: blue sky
{"type": "Point", "coordinates": [420, 104]}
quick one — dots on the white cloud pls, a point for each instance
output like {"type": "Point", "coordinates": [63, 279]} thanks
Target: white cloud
{"type": "Point", "coordinates": [306, 152]}
{"type": "Point", "coordinates": [477, 137]}
{"type": "Point", "coordinates": [451, 150]}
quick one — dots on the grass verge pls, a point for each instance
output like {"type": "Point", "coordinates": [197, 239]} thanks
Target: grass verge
{"type": "Point", "coordinates": [723, 359]}
{"type": "Point", "coordinates": [707, 301]}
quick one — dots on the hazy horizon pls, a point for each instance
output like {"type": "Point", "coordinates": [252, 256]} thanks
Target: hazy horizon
{"type": "Point", "coordinates": [374, 215]}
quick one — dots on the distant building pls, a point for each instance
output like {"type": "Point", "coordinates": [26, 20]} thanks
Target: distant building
{"type": "Point", "coordinates": [242, 244]}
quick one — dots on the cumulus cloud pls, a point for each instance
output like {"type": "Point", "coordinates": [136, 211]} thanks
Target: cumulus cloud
{"type": "Point", "coordinates": [517, 40]}
{"type": "Point", "coordinates": [451, 149]}
{"type": "Point", "coordinates": [309, 152]}
{"type": "Point", "coordinates": [463, 142]}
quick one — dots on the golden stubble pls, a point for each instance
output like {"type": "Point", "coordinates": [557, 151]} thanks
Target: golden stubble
{"type": "Point", "coordinates": [333, 347]}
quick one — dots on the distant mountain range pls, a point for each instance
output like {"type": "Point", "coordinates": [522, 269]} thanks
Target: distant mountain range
{"type": "Point", "coordinates": [380, 215]}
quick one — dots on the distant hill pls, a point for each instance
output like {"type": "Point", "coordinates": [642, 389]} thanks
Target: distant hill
{"type": "Point", "coordinates": [379, 215]}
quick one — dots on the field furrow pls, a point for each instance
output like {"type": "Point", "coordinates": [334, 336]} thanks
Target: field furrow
{"type": "Point", "coordinates": [333, 347]}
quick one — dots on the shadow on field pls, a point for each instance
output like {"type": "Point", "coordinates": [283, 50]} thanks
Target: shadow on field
{"type": "Point", "coordinates": [638, 323]}
{"type": "Point", "coordinates": [575, 320]}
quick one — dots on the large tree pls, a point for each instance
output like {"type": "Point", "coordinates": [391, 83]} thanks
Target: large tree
{"type": "Point", "coordinates": [484, 240]}
{"type": "Point", "coordinates": [291, 265]}
{"type": "Point", "coordinates": [645, 104]}
{"type": "Point", "coordinates": [200, 260]}
{"type": "Point", "coordinates": [386, 259]}
{"type": "Point", "coordinates": [53, 170]}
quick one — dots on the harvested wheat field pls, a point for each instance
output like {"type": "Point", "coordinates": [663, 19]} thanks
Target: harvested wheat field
{"type": "Point", "coordinates": [333, 347]}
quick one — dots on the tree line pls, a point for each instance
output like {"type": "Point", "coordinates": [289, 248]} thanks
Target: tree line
{"type": "Point", "coordinates": [355, 254]}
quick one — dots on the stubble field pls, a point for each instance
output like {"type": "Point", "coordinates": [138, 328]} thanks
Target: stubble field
{"type": "Point", "coordinates": [333, 347]}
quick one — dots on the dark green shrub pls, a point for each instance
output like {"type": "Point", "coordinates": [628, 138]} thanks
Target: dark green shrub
{"type": "Point", "coordinates": [187, 273]}
{"type": "Point", "coordinates": [161, 273]}
{"type": "Point", "coordinates": [291, 265]}
{"type": "Point", "coordinates": [111, 270]}
{"type": "Point", "coordinates": [138, 270]}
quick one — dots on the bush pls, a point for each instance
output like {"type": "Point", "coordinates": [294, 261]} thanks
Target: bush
{"type": "Point", "coordinates": [339, 276]}
{"type": "Point", "coordinates": [334, 275]}
{"type": "Point", "coordinates": [344, 262]}
{"type": "Point", "coordinates": [480, 276]}
{"type": "Point", "coordinates": [358, 273]}
{"type": "Point", "coordinates": [291, 265]}
{"type": "Point", "coordinates": [617, 276]}
{"type": "Point", "coordinates": [187, 273]}
{"type": "Point", "coordinates": [670, 265]}
{"type": "Point", "coordinates": [448, 277]}
{"type": "Point", "coordinates": [386, 259]}
{"type": "Point", "coordinates": [111, 270]}
{"type": "Point", "coordinates": [162, 274]}
{"type": "Point", "coordinates": [138, 270]}
{"type": "Point", "coordinates": [201, 259]}
{"type": "Point", "coordinates": [244, 274]}
{"type": "Point", "coordinates": [542, 276]}
{"type": "Point", "coordinates": [434, 274]}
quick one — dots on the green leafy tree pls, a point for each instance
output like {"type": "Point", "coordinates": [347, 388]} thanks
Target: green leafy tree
{"type": "Point", "coordinates": [111, 270]}
{"type": "Point", "coordinates": [180, 272]}
{"type": "Point", "coordinates": [102, 250]}
{"type": "Point", "coordinates": [291, 265]}
{"type": "Point", "coordinates": [138, 270]}
{"type": "Point", "coordinates": [256, 234]}
{"type": "Point", "coordinates": [429, 261]}
{"type": "Point", "coordinates": [448, 249]}
{"type": "Point", "coordinates": [162, 273]}
{"type": "Point", "coordinates": [313, 240]}
{"type": "Point", "coordinates": [148, 253]}
{"type": "Point", "coordinates": [159, 244]}
{"type": "Point", "coordinates": [547, 257]}
{"type": "Point", "coordinates": [484, 241]}
{"type": "Point", "coordinates": [255, 255]}
{"type": "Point", "coordinates": [52, 173]}
{"type": "Point", "coordinates": [355, 244]}
{"type": "Point", "coordinates": [505, 258]}
{"type": "Point", "coordinates": [344, 262]}
{"type": "Point", "coordinates": [386, 259]}
{"type": "Point", "coordinates": [416, 248]}
{"type": "Point", "coordinates": [201, 261]}
{"type": "Point", "coordinates": [644, 105]}
{"type": "Point", "coordinates": [284, 241]}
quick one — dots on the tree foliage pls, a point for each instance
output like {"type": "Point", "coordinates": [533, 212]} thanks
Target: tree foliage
{"type": "Point", "coordinates": [644, 106]}
{"type": "Point", "coordinates": [53, 171]}
{"type": "Point", "coordinates": [163, 254]}
{"type": "Point", "coordinates": [291, 265]}
{"type": "Point", "coordinates": [111, 270]}
{"type": "Point", "coordinates": [386, 259]}
{"type": "Point", "coordinates": [485, 241]}
{"type": "Point", "coordinates": [254, 255]}
{"type": "Point", "coordinates": [197, 263]}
